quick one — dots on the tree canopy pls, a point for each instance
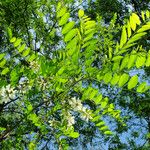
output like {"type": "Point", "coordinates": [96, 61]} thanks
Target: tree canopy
{"type": "Point", "coordinates": [68, 76]}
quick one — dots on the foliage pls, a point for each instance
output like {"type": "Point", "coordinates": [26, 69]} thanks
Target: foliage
{"type": "Point", "coordinates": [48, 96]}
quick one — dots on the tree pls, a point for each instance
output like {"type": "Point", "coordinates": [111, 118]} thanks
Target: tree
{"type": "Point", "coordinates": [50, 96]}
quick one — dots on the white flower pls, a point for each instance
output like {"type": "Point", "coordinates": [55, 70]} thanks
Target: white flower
{"type": "Point", "coordinates": [7, 93]}
{"type": "Point", "coordinates": [71, 121]}
{"type": "Point", "coordinates": [76, 104]}
{"type": "Point", "coordinates": [35, 66]}
{"type": "Point", "coordinates": [86, 114]}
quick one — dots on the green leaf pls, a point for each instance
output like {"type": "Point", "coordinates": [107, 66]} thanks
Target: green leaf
{"type": "Point", "coordinates": [81, 13]}
{"type": "Point", "coordinates": [116, 65]}
{"type": "Point", "coordinates": [136, 18]}
{"type": "Point", "coordinates": [147, 14]}
{"type": "Point", "coordinates": [74, 134]}
{"type": "Point", "coordinates": [70, 35]}
{"type": "Point", "coordinates": [132, 23]}
{"type": "Point", "coordinates": [31, 58]}
{"type": "Point", "coordinates": [89, 31]}
{"type": "Point", "coordinates": [26, 52]}
{"type": "Point", "coordinates": [5, 71]}
{"type": "Point", "coordinates": [64, 19]}
{"type": "Point", "coordinates": [17, 42]}
{"type": "Point", "coordinates": [104, 102]}
{"type": "Point", "coordinates": [144, 28]}
{"type": "Point", "coordinates": [115, 79]}
{"type": "Point", "coordinates": [2, 128]}
{"type": "Point", "coordinates": [116, 58]}
{"type": "Point", "coordinates": [21, 48]}
{"type": "Point", "coordinates": [124, 62]}
{"type": "Point", "coordinates": [128, 29]}
{"type": "Point", "coordinates": [108, 133]}
{"type": "Point", "coordinates": [142, 87]}
{"type": "Point", "coordinates": [132, 59]}
{"type": "Point", "coordinates": [123, 79]}
{"type": "Point", "coordinates": [12, 40]}
{"type": "Point", "coordinates": [143, 15]}
{"type": "Point", "coordinates": [2, 55]}
{"type": "Point", "coordinates": [102, 123]}
{"type": "Point", "coordinates": [148, 59]}
{"type": "Point", "coordinates": [95, 119]}
{"type": "Point", "coordinates": [107, 77]}
{"type": "Point", "coordinates": [141, 58]}
{"type": "Point", "coordinates": [98, 99]}
{"type": "Point", "coordinates": [68, 27]}
{"type": "Point", "coordinates": [103, 128]}
{"type": "Point", "coordinates": [9, 31]}
{"type": "Point", "coordinates": [2, 63]}
{"type": "Point", "coordinates": [133, 82]}
{"type": "Point", "coordinates": [136, 37]}
{"type": "Point", "coordinates": [61, 12]}
{"type": "Point", "coordinates": [88, 37]}
{"type": "Point", "coordinates": [123, 37]}
{"type": "Point", "coordinates": [90, 25]}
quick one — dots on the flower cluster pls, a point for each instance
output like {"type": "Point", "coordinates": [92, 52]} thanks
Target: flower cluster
{"type": "Point", "coordinates": [42, 83]}
{"type": "Point", "coordinates": [76, 105]}
{"type": "Point", "coordinates": [70, 119]}
{"type": "Point", "coordinates": [35, 66]}
{"type": "Point", "coordinates": [7, 94]}
{"type": "Point", "coordinates": [24, 85]}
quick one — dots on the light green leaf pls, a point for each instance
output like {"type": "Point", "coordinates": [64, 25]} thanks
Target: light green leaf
{"type": "Point", "coordinates": [9, 31]}
{"type": "Point", "coordinates": [81, 13]}
{"type": "Point", "coordinates": [70, 35]}
{"type": "Point", "coordinates": [123, 79]}
{"type": "Point", "coordinates": [89, 31]}
{"type": "Point", "coordinates": [64, 19]}
{"type": "Point", "coordinates": [147, 14]}
{"type": "Point", "coordinates": [104, 102]}
{"type": "Point", "coordinates": [72, 43]}
{"type": "Point", "coordinates": [2, 55]}
{"type": "Point", "coordinates": [103, 128]}
{"type": "Point", "coordinates": [98, 99]}
{"type": "Point", "coordinates": [17, 42]}
{"type": "Point", "coordinates": [74, 134]}
{"type": "Point", "coordinates": [148, 59]}
{"type": "Point", "coordinates": [116, 58]}
{"type": "Point", "coordinates": [116, 65]}
{"type": "Point", "coordinates": [2, 63]}
{"type": "Point", "coordinates": [136, 37]}
{"type": "Point", "coordinates": [143, 15]}
{"type": "Point", "coordinates": [88, 37]}
{"type": "Point", "coordinates": [132, 82]}
{"type": "Point", "coordinates": [141, 58]}
{"type": "Point", "coordinates": [136, 18]}
{"type": "Point", "coordinates": [102, 123]}
{"type": "Point", "coordinates": [21, 48]}
{"type": "Point", "coordinates": [123, 37]}
{"type": "Point", "coordinates": [68, 27]}
{"type": "Point", "coordinates": [142, 87]}
{"type": "Point", "coordinates": [132, 23]}
{"type": "Point", "coordinates": [124, 62]}
{"type": "Point", "coordinates": [31, 58]}
{"type": "Point", "coordinates": [132, 59]}
{"type": "Point", "coordinates": [128, 29]}
{"type": "Point", "coordinates": [61, 12]}
{"type": "Point", "coordinates": [108, 133]}
{"type": "Point", "coordinates": [115, 79]}
{"type": "Point", "coordinates": [107, 77]}
{"type": "Point", "coordinates": [12, 40]}
{"type": "Point", "coordinates": [144, 28]}
{"type": "Point", "coordinates": [5, 71]}
{"type": "Point", "coordinates": [26, 52]}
